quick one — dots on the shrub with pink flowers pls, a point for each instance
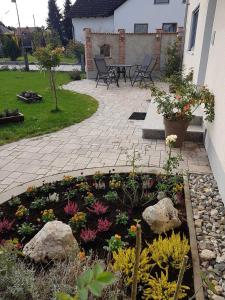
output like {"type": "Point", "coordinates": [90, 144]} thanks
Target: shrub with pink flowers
{"type": "Point", "coordinates": [103, 225]}
{"type": "Point", "coordinates": [88, 235]}
{"type": "Point", "coordinates": [98, 208]}
{"type": "Point", "coordinates": [6, 225]}
{"type": "Point", "coordinates": [71, 208]}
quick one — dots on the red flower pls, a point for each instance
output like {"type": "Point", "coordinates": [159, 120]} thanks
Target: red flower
{"type": "Point", "coordinates": [5, 225]}
{"type": "Point", "coordinates": [98, 208]}
{"type": "Point", "coordinates": [71, 208]}
{"type": "Point", "coordinates": [88, 235]}
{"type": "Point", "coordinates": [103, 225]}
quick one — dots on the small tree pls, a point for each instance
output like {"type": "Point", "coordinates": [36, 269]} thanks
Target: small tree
{"type": "Point", "coordinates": [48, 59]}
{"type": "Point", "coordinates": [10, 48]}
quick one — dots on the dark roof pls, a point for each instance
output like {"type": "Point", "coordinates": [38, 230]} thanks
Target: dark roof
{"type": "Point", "coordinates": [4, 29]}
{"type": "Point", "coordinates": [95, 8]}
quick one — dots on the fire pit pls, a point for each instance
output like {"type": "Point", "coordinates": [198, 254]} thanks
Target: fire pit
{"type": "Point", "coordinates": [29, 97]}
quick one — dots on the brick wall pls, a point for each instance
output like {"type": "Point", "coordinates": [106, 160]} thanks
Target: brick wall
{"type": "Point", "coordinates": [128, 48]}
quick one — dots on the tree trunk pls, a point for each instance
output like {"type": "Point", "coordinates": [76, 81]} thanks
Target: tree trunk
{"type": "Point", "coordinates": [53, 88]}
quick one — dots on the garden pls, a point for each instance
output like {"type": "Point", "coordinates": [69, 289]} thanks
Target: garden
{"type": "Point", "coordinates": [113, 235]}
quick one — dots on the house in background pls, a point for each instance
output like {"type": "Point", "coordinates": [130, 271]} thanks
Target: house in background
{"type": "Point", "coordinates": [135, 16]}
{"type": "Point", "coordinates": [204, 53]}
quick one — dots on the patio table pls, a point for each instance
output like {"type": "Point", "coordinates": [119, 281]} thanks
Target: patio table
{"type": "Point", "coordinates": [123, 69]}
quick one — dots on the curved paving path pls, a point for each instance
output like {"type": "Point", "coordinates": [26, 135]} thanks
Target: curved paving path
{"type": "Point", "coordinates": [101, 140]}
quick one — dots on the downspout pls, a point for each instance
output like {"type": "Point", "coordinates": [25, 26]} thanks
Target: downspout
{"type": "Point", "coordinates": [185, 28]}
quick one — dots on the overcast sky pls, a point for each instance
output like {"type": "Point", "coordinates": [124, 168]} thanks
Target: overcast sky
{"type": "Point", "coordinates": [26, 10]}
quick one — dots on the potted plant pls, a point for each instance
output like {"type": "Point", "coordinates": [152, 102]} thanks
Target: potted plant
{"type": "Point", "coordinates": [178, 108]}
{"type": "Point", "coordinates": [11, 116]}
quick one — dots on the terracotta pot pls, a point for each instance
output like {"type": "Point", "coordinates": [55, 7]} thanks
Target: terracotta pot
{"type": "Point", "coordinates": [178, 128]}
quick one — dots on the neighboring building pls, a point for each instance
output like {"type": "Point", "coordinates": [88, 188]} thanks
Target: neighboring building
{"type": "Point", "coordinates": [135, 16]}
{"type": "Point", "coordinates": [26, 34]}
{"type": "Point", "coordinates": [204, 52]}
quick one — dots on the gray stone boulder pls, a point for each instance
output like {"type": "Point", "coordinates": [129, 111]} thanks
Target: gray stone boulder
{"type": "Point", "coordinates": [162, 216]}
{"type": "Point", "coordinates": [54, 241]}
{"type": "Point", "coordinates": [207, 255]}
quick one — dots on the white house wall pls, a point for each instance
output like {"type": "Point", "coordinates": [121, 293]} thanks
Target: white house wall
{"type": "Point", "coordinates": [145, 11]}
{"type": "Point", "coordinates": [96, 25]}
{"type": "Point", "coordinates": [215, 80]}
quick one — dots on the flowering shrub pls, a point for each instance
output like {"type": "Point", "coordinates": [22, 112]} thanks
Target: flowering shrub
{"type": "Point", "coordinates": [48, 215]}
{"type": "Point", "coordinates": [98, 208]}
{"type": "Point", "coordinates": [172, 161]}
{"type": "Point", "coordinates": [78, 220]}
{"type": "Point", "coordinates": [115, 243]}
{"type": "Point", "coordinates": [89, 199]}
{"type": "Point", "coordinates": [132, 231]}
{"type": "Point", "coordinates": [71, 208]}
{"type": "Point", "coordinates": [21, 211]}
{"type": "Point", "coordinates": [181, 106]}
{"type": "Point", "coordinates": [88, 235]}
{"type": "Point", "coordinates": [6, 225]}
{"type": "Point", "coordinates": [103, 225]}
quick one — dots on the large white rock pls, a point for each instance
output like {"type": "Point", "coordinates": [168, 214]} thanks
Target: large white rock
{"type": "Point", "coordinates": [54, 241]}
{"type": "Point", "coordinates": [162, 216]}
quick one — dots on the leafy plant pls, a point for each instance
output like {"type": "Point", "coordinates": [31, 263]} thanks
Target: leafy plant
{"type": "Point", "coordinates": [98, 176]}
{"type": "Point", "coordinates": [78, 220]}
{"type": "Point", "coordinates": [130, 189]}
{"type": "Point", "coordinates": [38, 203]}
{"type": "Point", "coordinates": [172, 162]}
{"type": "Point", "coordinates": [92, 281]}
{"type": "Point", "coordinates": [114, 243]}
{"type": "Point", "coordinates": [83, 186]}
{"type": "Point", "coordinates": [103, 225]}
{"type": "Point", "coordinates": [26, 229]}
{"type": "Point", "coordinates": [98, 208]}
{"type": "Point", "coordinates": [88, 235]}
{"type": "Point", "coordinates": [173, 59]}
{"type": "Point", "coordinates": [21, 211]}
{"type": "Point", "coordinates": [132, 231]}
{"type": "Point", "coordinates": [89, 199]}
{"type": "Point", "coordinates": [111, 196]}
{"type": "Point", "coordinates": [122, 218]}
{"type": "Point", "coordinates": [71, 208]}
{"type": "Point", "coordinates": [48, 215]}
{"type": "Point", "coordinates": [15, 201]}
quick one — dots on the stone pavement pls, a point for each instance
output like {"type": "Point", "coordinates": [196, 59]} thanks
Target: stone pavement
{"type": "Point", "coordinates": [101, 140]}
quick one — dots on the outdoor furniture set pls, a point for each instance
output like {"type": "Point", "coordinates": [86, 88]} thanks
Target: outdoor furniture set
{"type": "Point", "coordinates": [112, 73]}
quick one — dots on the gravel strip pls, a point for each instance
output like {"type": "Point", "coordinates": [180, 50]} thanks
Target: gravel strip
{"type": "Point", "coordinates": [209, 216]}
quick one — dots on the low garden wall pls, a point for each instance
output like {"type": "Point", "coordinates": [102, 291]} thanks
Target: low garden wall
{"type": "Point", "coordinates": [128, 48]}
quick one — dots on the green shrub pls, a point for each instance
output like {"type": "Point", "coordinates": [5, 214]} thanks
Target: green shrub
{"type": "Point", "coordinates": [75, 75]}
{"type": "Point", "coordinates": [173, 59]}
{"type": "Point", "coordinates": [10, 48]}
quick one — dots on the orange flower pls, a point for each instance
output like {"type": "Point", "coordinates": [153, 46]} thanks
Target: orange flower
{"type": "Point", "coordinates": [30, 189]}
{"type": "Point", "coordinates": [133, 228]}
{"type": "Point", "coordinates": [82, 255]}
{"type": "Point", "coordinates": [186, 107]}
{"type": "Point", "coordinates": [117, 237]}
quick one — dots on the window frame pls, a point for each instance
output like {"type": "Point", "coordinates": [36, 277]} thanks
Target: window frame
{"type": "Point", "coordinates": [170, 24]}
{"type": "Point", "coordinates": [145, 24]}
{"type": "Point", "coordinates": [157, 2]}
{"type": "Point", "coordinates": [193, 28]}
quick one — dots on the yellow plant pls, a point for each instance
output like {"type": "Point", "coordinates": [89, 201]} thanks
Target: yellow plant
{"type": "Point", "coordinates": [159, 288]}
{"type": "Point", "coordinates": [124, 263]}
{"type": "Point", "coordinates": [47, 215]}
{"type": "Point", "coordinates": [178, 187]}
{"type": "Point", "coordinates": [21, 211]}
{"type": "Point", "coordinates": [169, 250]}
{"type": "Point", "coordinates": [78, 217]}
{"type": "Point", "coordinates": [68, 178]}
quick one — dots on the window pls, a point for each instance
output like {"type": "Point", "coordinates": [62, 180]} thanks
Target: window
{"type": "Point", "coordinates": [161, 1]}
{"type": "Point", "coordinates": [194, 25]}
{"type": "Point", "coordinates": [169, 27]}
{"type": "Point", "coordinates": [140, 28]}
{"type": "Point", "coordinates": [105, 50]}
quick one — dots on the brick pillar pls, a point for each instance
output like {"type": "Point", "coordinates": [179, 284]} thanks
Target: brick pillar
{"type": "Point", "coordinates": [122, 54]}
{"type": "Point", "coordinates": [157, 47]}
{"type": "Point", "coordinates": [89, 64]}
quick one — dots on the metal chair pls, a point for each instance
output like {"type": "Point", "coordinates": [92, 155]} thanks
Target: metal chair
{"type": "Point", "coordinates": [144, 71]}
{"type": "Point", "coordinates": [105, 73]}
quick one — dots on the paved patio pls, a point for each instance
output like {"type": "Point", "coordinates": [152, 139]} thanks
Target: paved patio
{"type": "Point", "coordinates": [101, 140]}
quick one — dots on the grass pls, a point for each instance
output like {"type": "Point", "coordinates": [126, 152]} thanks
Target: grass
{"type": "Point", "coordinates": [38, 116]}
{"type": "Point", "coordinates": [32, 59]}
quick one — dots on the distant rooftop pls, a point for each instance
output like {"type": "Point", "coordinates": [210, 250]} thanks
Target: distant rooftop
{"type": "Point", "coordinates": [95, 8]}
{"type": "Point", "coordinates": [4, 29]}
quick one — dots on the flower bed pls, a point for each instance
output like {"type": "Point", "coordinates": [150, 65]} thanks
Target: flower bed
{"type": "Point", "coordinates": [103, 212]}
{"type": "Point", "coordinates": [11, 116]}
{"type": "Point", "coordinates": [29, 97]}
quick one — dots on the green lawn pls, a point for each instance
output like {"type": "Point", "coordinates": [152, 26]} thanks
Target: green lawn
{"type": "Point", "coordinates": [38, 116]}
{"type": "Point", "coordinates": [32, 59]}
